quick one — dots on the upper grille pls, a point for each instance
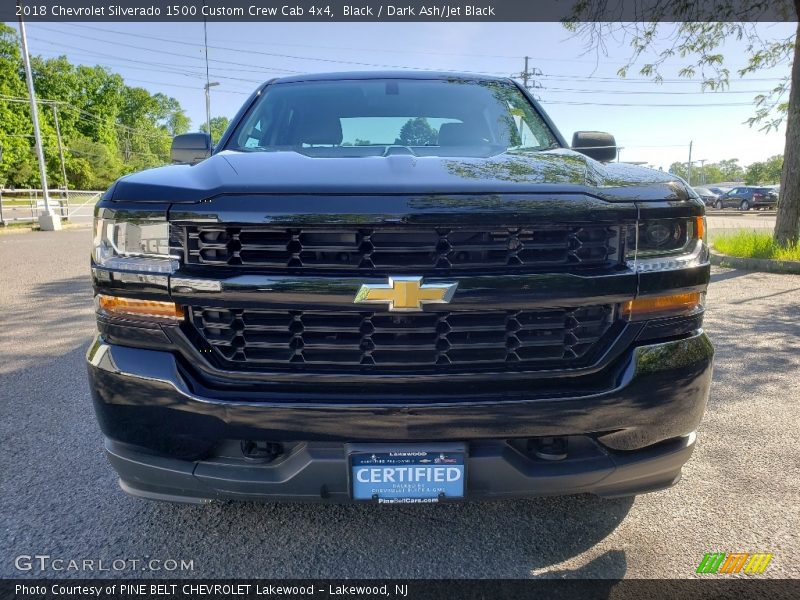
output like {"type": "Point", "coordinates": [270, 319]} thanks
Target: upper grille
{"type": "Point", "coordinates": [401, 249]}
{"type": "Point", "coordinates": [384, 341]}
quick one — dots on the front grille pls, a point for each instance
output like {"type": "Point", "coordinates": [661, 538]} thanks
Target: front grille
{"type": "Point", "coordinates": [270, 340]}
{"type": "Point", "coordinates": [401, 249]}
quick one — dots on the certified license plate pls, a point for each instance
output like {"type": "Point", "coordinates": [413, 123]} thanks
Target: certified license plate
{"type": "Point", "coordinates": [407, 474]}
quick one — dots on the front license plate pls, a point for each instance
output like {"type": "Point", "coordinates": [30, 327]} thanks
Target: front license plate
{"type": "Point", "coordinates": [408, 475]}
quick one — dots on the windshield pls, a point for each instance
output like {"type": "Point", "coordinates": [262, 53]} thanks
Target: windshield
{"type": "Point", "coordinates": [375, 116]}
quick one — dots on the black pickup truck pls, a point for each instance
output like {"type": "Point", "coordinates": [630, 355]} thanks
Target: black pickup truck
{"type": "Point", "coordinates": [398, 288]}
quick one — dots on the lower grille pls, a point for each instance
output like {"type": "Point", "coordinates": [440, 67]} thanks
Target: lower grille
{"type": "Point", "coordinates": [269, 340]}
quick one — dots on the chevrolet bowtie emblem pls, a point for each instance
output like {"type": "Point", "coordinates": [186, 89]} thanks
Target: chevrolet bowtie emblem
{"type": "Point", "coordinates": [406, 293]}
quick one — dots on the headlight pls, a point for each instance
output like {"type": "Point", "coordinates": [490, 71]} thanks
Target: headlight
{"type": "Point", "coordinates": [135, 245]}
{"type": "Point", "coordinates": [665, 244]}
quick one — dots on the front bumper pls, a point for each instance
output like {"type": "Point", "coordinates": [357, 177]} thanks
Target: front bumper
{"type": "Point", "coordinates": [168, 442]}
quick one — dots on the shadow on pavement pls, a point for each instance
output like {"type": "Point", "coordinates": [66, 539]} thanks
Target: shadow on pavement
{"type": "Point", "coordinates": [501, 539]}
{"type": "Point", "coordinates": [759, 344]}
{"type": "Point", "coordinates": [609, 566]}
{"type": "Point", "coordinates": [728, 274]}
{"type": "Point", "coordinates": [61, 310]}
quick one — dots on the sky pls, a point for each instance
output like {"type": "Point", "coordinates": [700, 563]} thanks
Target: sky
{"type": "Point", "coordinates": [653, 123]}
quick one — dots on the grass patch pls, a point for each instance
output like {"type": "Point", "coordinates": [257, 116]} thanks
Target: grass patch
{"type": "Point", "coordinates": [754, 244]}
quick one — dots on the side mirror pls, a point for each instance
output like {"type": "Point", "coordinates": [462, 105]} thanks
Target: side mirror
{"type": "Point", "coordinates": [595, 144]}
{"type": "Point", "coordinates": [190, 148]}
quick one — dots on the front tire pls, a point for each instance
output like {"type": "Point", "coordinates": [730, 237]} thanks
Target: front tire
{"type": "Point", "coordinates": [745, 205]}
{"type": "Point", "coordinates": [718, 205]}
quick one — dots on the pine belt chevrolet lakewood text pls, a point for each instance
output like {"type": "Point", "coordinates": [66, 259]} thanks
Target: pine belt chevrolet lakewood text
{"type": "Point", "coordinates": [398, 288]}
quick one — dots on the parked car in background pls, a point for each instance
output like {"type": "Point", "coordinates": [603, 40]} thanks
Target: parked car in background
{"type": "Point", "coordinates": [719, 191]}
{"type": "Point", "coordinates": [708, 196]}
{"type": "Point", "coordinates": [747, 197]}
{"type": "Point", "coordinates": [776, 189]}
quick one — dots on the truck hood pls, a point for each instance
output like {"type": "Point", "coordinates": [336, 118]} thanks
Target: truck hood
{"type": "Point", "coordinates": [287, 172]}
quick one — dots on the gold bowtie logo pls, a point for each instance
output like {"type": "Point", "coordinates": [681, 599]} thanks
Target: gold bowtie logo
{"type": "Point", "coordinates": [406, 293]}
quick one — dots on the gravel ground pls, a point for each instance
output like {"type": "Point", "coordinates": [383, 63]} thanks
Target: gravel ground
{"type": "Point", "coordinates": [58, 496]}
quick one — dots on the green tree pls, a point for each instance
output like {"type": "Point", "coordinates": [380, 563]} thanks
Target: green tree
{"type": "Point", "coordinates": [767, 172]}
{"type": "Point", "coordinates": [679, 169]}
{"type": "Point", "coordinates": [725, 170]}
{"type": "Point", "coordinates": [417, 132]}
{"type": "Point", "coordinates": [754, 173]}
{"type": "Point", "coordinates": [218, 127]}
{"type": "Point", "coordinates": [730, 169]}
{"type": "Point", "coordinates": [107, 127]}
{"type": "Point", "coordinates": [17, 166]}
{"type": "Point", "coordinates": [694, 32]}
{"type": "Point", "coordinates": [710, 173]}
{"type": "Point", "coordinates": [773, 169]}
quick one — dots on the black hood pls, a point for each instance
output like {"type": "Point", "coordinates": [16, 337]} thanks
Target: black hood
{"type": "Point", "coordinates": [287, 172]}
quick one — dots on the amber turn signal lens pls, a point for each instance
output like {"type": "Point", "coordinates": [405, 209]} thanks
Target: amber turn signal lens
{"type": "Point", "coordinates": [153, 310]}
{"type": "Point", "coordinates": [700, 228]}
{"type": "Point", "coordinates": [661, 306]}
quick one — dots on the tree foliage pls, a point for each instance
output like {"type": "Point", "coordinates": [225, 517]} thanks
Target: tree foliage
{"type": "Point", "coordinates": [764, 173]}
{"type": "Point", "coordinates": [700, 45]}
{"type": "Point", "coordinates": [417, 132]}
{"type": "Point", "coordinates": [107, 128]}
{"type": "Point", "coordinates": [696, 33]}
{"type": "Point", "coordinates": [218, 127]}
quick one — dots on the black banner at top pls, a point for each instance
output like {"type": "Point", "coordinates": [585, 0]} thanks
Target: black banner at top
{"type": "Point", "coordinates": [399, 10]}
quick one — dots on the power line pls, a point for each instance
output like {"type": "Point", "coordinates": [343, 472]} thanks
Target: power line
{"type": "Point", "coordinates": [193, 75]}
{"type": "Point", "coordinates": [650, 92]}
{"type": "Point", "coordinates": [548, 89]}
{"type": "Point", "coordinates": [645, 80]}
{"type": "Point", "coordinates": [319, 59]}
{"type": "Point", "coordinates": [640, 104]}
{"type": "Point", "coordinates": [261, 43]}
{"type": "Point", "coordinates": [150, 69]}
{"type": "Point", "coordinates": [261, 53]}
{"type": "Point", "coordinates": [176, 68]}
{"type": "Point", "coordinates": [404, 51]}
{"type": "Point", "coordinates": [87, 115]}
{"type": "Point", "coordinates": [526, 75]}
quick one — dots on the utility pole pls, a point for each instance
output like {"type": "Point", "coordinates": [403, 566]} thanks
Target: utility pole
{"type": "Point", "coordinates": [207, 87]}
{"type": "Point", "coordinates": [527, 75]}
{"type": "Point", "coordinates": [61, 151]}
{"type": "Point", "coordinates": [209, 84]}
{"type": "Point", "coordinates": [48, 221]}
{"type": "Point", "coordinates": [689, 169]}
{"type": "Point", "coordinates": [702, 162]}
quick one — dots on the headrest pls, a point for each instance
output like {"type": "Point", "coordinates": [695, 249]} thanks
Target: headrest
{"type": "Point", "coordinates": [319, 129]}
{"type": "Point", "coordinates": [457, 134]}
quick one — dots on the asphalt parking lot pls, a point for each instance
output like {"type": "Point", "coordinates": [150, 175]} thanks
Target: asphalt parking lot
{"type": "Point", "coordinates": [740, 491]}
